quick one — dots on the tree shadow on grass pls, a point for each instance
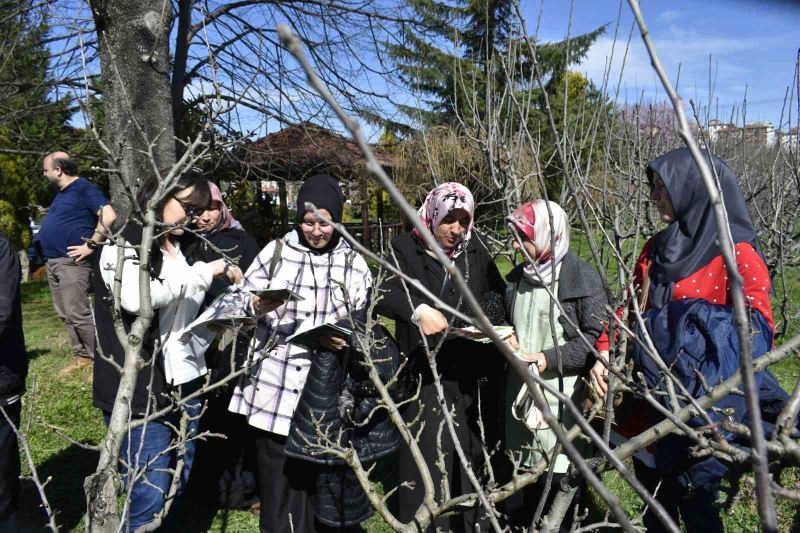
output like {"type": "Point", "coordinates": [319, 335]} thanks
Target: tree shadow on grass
{"type": "Point", "coordinates": [70, 467]}
{"type": "Point", "coordinates": [33, 354]}
{"type": "Point", "coordinates": [67, 469]}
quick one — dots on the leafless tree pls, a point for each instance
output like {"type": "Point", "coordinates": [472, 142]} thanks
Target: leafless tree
{"type": "Point", "coordinates": [609, 197]}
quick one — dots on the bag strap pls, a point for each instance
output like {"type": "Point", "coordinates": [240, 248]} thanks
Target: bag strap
{"type": "Point", "coordinates": [276, 258]}
{"type": "Point", "coordinates": [645, 287]}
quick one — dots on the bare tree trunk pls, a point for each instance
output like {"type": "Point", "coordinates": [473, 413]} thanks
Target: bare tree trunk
{"type": "Point", "coordinates": [133, 40]}
{"type": "Point", "coordinates": [181, 57]}
{"type": "Point", "coordinates": [284, 209]}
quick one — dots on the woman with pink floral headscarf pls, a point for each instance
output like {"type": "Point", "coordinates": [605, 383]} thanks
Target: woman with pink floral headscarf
{"type": "Point", "coordinates": [547, 338]}
{"type": "Point", "coordinates": [224, 472]}
{"type": "Point", "coordinates": [465, 367]}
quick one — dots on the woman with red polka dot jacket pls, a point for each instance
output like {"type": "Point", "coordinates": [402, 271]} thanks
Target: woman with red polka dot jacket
{"type": "Point", "coordinates": [683, 286]}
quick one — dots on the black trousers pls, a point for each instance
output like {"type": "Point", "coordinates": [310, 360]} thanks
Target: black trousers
{"type": "Point", "coordinates": [696, 508]}
{"type": "Point", "coordinates": [286, 487]}
{"type": "Point", "coordinates": [9, 467]}
{"type": "Point", "coordinates": [465, 405]}
{"type": "Point", "coordinates": [224, 471]}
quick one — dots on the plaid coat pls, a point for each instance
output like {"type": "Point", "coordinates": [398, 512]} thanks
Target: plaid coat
{"type": "Point", "coordinates": [333, 285]}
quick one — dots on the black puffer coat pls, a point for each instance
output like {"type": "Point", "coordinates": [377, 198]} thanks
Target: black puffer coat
{"type": "Point", "coordinates": [13, 357]}
{"type": "Point", "coordinates": [339, 399]}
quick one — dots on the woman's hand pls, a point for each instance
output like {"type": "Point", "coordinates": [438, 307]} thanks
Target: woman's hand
{"type": "Point", "coordinates": [263, 306]}
{"type": "Point", "coordinates": [333, 344]}
{"type": "Point", "coordinates": [512, 341]}
{"type": "Point", "coordinates": [231, 272]}
{"type": "Point", "coordinates": [598, 375]}
{"type": "Point", "coordinates": [537, 359]}
{"type": "Point", "coordinates": [432, 321]}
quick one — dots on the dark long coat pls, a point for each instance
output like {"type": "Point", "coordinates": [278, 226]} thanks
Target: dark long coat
{"type": "Point", "coordinates": [467, 369]}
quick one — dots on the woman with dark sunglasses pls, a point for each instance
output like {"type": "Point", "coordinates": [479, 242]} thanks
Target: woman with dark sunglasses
{"type": "Point", "coordinates": [173, 365]}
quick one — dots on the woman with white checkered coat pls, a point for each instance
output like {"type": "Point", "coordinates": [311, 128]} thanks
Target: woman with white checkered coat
{"type": "Point", "coordinates": [334, 281]}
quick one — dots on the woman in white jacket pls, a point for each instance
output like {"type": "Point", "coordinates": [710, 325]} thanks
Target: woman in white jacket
{"type": "Point", "coordinates": [334, 281]}
{"type": "Point", "coordinates": [176, 293]}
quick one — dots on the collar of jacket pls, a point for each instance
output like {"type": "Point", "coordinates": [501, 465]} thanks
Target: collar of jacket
{"type": "Point", "coordinates": [576, 280]}
{"type": "Point", "coordinates": [421, 250]}
{"type": "Point", "coordinates": [438, 270]}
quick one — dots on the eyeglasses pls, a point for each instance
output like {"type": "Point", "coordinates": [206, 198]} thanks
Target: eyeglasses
{"type": "Point", "coordinates": [191, 211]}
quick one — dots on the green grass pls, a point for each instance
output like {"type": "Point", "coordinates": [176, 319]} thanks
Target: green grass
{"type": "Point", "coordinates": [66, 403]}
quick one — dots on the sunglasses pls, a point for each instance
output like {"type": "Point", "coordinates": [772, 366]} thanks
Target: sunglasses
{"type": "Point", "coordinates": [192, 211]}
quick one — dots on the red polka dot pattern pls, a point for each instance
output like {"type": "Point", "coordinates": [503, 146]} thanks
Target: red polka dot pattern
{"type": "Point", "coordinates": [711, 282]}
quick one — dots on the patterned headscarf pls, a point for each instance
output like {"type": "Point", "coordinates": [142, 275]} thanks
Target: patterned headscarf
{"type": "Point", "coordinates": [226, 220]}
{"type": "Point", "coordinates": [439, 203]}
{"type": "Point", "coordinates": [532, 221]}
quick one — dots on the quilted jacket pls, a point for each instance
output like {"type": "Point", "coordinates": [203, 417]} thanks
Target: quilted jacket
{"type": "Point", "coordinates": [694, 336]}
{"type": "Point", "coordinates": [338, 401]}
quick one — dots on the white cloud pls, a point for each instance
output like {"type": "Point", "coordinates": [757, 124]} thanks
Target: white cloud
{"type": "Point", "coordinates": [669, 16]}
{"type": "Point", "coordinates": [678, 48]}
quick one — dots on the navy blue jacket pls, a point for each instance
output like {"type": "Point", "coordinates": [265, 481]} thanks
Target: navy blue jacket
{"type": "Point", "coordinates": [695, 335]}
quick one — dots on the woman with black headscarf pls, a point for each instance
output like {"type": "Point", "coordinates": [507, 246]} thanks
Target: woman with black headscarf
{"type": "Point", "coordinates": [683, 262]}
{"type": "Point", "coordinates": [333, 280]}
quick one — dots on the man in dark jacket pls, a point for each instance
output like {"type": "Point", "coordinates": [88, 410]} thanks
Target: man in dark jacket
{"type": "Point", "coordinates": [13, 370]}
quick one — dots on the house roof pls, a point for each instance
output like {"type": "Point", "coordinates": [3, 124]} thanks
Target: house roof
{"type": "Point", "coordinates": [299, 151]}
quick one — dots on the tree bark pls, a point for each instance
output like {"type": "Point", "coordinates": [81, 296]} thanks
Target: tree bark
{"type": "Point", "coordinates": [139, 135]}
{"type": "Point", "coordinates": [133, 39]}
{"type": "Point", "coordinates": [181, 57]}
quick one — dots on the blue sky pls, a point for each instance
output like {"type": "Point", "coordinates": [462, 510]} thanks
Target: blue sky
{"type": "Point", "coordinates": [753, 47]}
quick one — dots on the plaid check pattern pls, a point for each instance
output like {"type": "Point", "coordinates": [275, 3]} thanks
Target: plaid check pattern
{"type": "Point", "coordinates": [333, 285]}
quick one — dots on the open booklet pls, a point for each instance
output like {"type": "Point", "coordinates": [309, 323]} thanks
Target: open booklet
{"type": "Point", "coordinates": [310, 338]}
{"type": "Point", "coordinates": [226, 311]}
{"type": "Point", "coordinates": [277, 295]}
{"type": "Point", "coordinates": [474, 334]}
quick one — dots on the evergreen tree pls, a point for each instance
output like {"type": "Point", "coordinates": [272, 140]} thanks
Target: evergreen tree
{"type": "Point", "coordinates": [31, 122]}
{"type": "Point", "coordinates": [450, 62]}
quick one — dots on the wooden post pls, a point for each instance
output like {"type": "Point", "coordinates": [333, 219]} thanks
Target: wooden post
{"type": "Point", "coordinates": [365, 213]}
{"type": "Point", "coordinates": [381, 224]}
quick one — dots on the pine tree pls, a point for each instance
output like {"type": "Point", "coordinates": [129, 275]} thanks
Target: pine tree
{"type": "Point", "coordinates": [451, 61]}
{"type": "Point", "coordinates": [31, 122]}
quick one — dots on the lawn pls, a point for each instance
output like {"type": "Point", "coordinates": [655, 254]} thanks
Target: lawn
{"type": "Point", "coordinates": [66, 403]}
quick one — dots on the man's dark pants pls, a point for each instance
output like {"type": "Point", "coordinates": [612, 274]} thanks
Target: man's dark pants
{"type": "Point", "coordinates": [69, 286]}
